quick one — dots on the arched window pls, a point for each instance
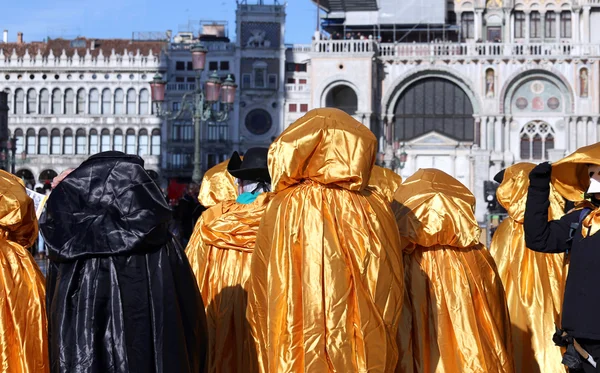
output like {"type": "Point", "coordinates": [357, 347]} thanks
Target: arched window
{"type": "Point", "coordinates": [106, 102]}
{"type": "Point", "coordinates": [93, 141]}
{"type": "Point", "coordinates": [94, 102]}
{"type": "Point", "coordinates": [119, 98]}
{"type": "Point", "coordinates": [69, 101]}
{"type": "Point", "coordinates": [68, 141]}
{"type": "Point", "coordinates": [143, 142]}
{"type": "Point", "coordinates": [56, 102]}
{"type": "Point", "coordinates": [434, 104]}
{"type": "Point", "coordinates": [536, 139]}
{"type": "Point", "coordinates": [44, 102]}
{"type": "Point", "coordinates": [20, 144]}
{"type": "Point", "coordinates": [130, 141]}
{"type": "Point", "coordinates": [131, 101]}
{"type": "Point", "coordinates": [31, 147]}
{"type": "Point", "coordinates": [43, 141]}
{"type": "Point", "coordinates": [118, 140]}
{"type": "Point", "coordinates": [19, 101]}
{"type": "Point", "coordinates": [81, 101]}
{"type": "Point", "coordinates": [80, 141]}
{"type": "Point", "coordinates": [156, 142]}
{"type": "Point", "coordinates": [55, 141]}
{"type": "Point", "coordinates": [144, 102]}
{"type": "Point", "coordinates": [104, 140]}
{"type": "Point", "coordinates": [31, 101]}
{"type": "Point", "coordinates": [343, 98]}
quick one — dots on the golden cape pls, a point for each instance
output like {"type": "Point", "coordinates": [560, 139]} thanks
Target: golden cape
{"type": "Point", "coordinates": [534, 282]}
{"type": "Point", "coordinates": [217, 186]}
{"type": "Point", "coordinates": [23, 325]}
{"type": "Point", "coordinates": [326, 287]}
{"type": "Point", "coordinates": [570, 175]}
{"type": "Point", "coordinates": [455, 317]}
{"type": "Point", "coordinates": [220, 253]}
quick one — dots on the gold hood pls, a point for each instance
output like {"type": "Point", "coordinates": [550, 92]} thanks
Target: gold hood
{"type": "Point", "coordinates": [512, 193]}
{"type": "Point", "coordinates": [570, 176]}
{"type": "Point", "coordinates": [17, 211]}
{"type": "Point", "coordinates": [327, 146]}
{"type": "Point", "coordinates": [385, 182]}
{"type": "Point", "coordinates": [217, 186]}
{"type": "Point", "coordinates": [436, 210]}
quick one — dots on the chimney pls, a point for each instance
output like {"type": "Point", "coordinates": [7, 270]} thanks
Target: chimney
{"type": "Point", "coordinates": [19, 38]}
{"type": "Point", "coordinates": [5, 36]}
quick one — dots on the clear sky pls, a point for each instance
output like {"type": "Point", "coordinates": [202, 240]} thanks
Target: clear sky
{"type": "Point", "coordinates": [38, 19]}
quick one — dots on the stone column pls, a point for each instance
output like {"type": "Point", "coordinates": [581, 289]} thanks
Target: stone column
{"type": "Point", "coordinates": [506, 29]}
{"type": "Point", "coordinates": [477, 132]}
{"type": "Point", "coordinates": [557, 17]}
{"type": "Point", "coordinates": [527, 25]}
{"type": "Point", "coordinates": [478, 24]}
{"type": "Point", "coordinates": [507, 125]}
{"type": "Point", "coordinates": [498, 135]}
{"type": "Point", "coordinates": [543, 25]}
{"type": "Point", "coordinates": [572, 134]}
{"type": "Point", "coordinates": [483, 137]}
{"type": "Point", "coordinates": [586, 25]}
{"type": "Point", "coordinates": [580, 133]}
{"type": "Point", "coordinates": [480, 173]}
{"type": "Point", "coordinates": [575, 26]}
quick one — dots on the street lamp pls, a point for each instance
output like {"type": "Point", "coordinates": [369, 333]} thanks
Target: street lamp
{"type": "Point", "coordinates": [202, 103]}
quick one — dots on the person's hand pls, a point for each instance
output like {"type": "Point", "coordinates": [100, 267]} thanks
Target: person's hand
{"type": "Point", "coordinates": [540, 175]}
{"type": "Point", "coordinates": [60, 177]}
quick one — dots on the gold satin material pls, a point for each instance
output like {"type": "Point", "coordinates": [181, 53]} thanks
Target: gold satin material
{"type": "Point", "coordinates": [455, 318]}
{"type": "Point", "coordinates": [23, 326]}
{"type": "Point", "coordinates": [220, 252]}
{"type": "Point", "coordinates": [217, 186]}
{"type": "Point", "coordinates": [533, 282]}
{"type": "Point", "coordinates": [591, 223]}
{"type": "Point", "coordinates": [570, 175]}
{"type": "Point", "coordinates": [385, 182]}
{"type": "Point", "coordinates": [327, 277]}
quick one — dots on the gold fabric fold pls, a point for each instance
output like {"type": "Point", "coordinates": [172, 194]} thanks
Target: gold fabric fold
{"type": "Point", "coordinates": [455, 317]}
{"type": "Point", "coordinates": [534, 282]}
{"type": "Point", "coordinates": [217, 186]}
{"type": "Point", "coordinates": [326, 287]}
{"type": "Point", "coordinates": [385, 182]}
{"type": "Point", "coordinates": [570, 175]}
{"type": "Point", "coordinates": [23, 326]}
{"type": "Point", "coordinates": [220, 252]}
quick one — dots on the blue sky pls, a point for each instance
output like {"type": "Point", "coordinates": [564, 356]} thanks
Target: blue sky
{"type": "Point", "coordinates": [38, 19]}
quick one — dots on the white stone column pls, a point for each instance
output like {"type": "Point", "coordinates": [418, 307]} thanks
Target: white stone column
{"type": "Point", "coordinates": [490, 133]}
{"type": "Point", "coordinates": [498, 135]}
{"type": "Point", "coordinates": [478, 24]}
{"type": "Point", "coordinates": [557, 24]}
{"type": "Point", "coordinates": [506, 142]}
{"type": "Point", "coordinates": [479, 174]}
{"type": "Point", "coordinates": [507, 26]}
{"type": "Point", "coordinates": [571, 134]}
{"type": "Point", "coordinates": [483, 135]}
{"type": "Point", "coordinates": [580, 133]}
{"type": "Point", "coordinates": [527, 25]}
{"type": "Point", "coordinates": [575, 26]}
{"type": "Point", "coordinates": [543, 25]}
{"type": "Point", "coordinates": [586, 25]}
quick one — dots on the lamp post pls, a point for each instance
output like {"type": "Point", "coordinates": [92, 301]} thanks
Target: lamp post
{"type": "Point", "coordinates": [203, 103]}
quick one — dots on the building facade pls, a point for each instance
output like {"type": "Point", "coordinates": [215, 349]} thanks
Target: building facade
{"type": "Point", "coordinates": [69, 99]}
{"type": "Point", "coordinates": [505, 82]}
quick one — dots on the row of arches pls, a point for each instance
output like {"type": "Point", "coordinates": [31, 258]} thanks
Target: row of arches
{"type": "Point", "coordinates": [82, 142]}
{"type": "Point", "coordinates": [81, 101]}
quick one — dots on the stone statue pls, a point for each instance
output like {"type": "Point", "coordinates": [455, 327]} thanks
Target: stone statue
{"type": "Point", "coordinates": [489, 83]}
{"type": "Point", "coordinates": [583, 82]}
{"type": "Point", "coordinates": [257, 39]}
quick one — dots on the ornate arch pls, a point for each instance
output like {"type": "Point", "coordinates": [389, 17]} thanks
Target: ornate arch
{"type": "Point", "coordinates": [525, 74]}
{"type": "Point", "coordinates": [398, 86]}
{"type": "Point", "coordinates": [326, 86]}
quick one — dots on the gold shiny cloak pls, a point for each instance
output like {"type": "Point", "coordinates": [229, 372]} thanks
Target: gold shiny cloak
{"type": "Point", "coordinates": [534, 282]}
{"type": "Point", "coordinates": [327, 278]}
{"type": "Point", "coordinates": [570, 174]}
{"type": "Point", "coordinates": [455, 318]}
{"type": "Point", "coordinates": [221, 250]}
{"type": "Point", "coordinates": [23, 326]}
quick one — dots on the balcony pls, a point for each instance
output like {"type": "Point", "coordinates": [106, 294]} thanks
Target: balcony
{"type": "Point", "coordinates": [181, 87]}
{"type": "Point", "coordinates": [453, 51]}
{"type": "Point", "coordinates": [297, 88]}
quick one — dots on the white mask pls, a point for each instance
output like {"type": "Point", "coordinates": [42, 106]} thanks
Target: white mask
{"type": "Point", "coordinates": [594, 172]}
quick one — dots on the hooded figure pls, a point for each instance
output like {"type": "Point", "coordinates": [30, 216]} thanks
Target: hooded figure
{"type": "Point", "coordinates": [574, 178]}
{"type": "Point", "coordinates": [23, 338]}
{"type": "Point", "coordinates": [534, 282]}
{"type": "Point", "coordinates": [221, 251]}
{"type": "Point", "coordinates": [326, 288]}
{"type": "Point", "coordinates": [455, 317]}
{"type": "Point", "coordinates": [121, 294]}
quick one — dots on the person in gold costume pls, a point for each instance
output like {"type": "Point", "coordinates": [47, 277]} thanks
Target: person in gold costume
{"type": "Point", "coordinates": [534, 282]}
{"type": "Point", "coordinates": [326, 288]}
{"type": "Point", "coordinates": [221, 250]}
{"type": "Point", "coordinates": [455, 318]}
{"type": "Point", "coordinates": [23, 323]}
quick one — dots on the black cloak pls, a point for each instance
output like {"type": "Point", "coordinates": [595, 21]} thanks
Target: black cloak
{"type": "Point", "coordinates": [121, 296]}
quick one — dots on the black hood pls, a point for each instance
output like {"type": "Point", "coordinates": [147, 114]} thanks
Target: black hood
{"type": "Point", "coordinates": [107, 206]}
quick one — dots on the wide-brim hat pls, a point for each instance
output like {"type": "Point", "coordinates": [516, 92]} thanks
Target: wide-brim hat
{"type": "Point", "coordinates": [253, 167]}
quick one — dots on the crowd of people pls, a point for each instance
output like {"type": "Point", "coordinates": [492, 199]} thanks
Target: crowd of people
{"type": "Point", "coordinates": [305, 257]}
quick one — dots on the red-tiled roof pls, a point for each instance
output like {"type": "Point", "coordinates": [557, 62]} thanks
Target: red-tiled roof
{"type": "Point", "coordinates": [106, 45]}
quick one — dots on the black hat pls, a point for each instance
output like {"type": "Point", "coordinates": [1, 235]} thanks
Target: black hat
{"type": "Point", "coordinates": [499, 177]}
{"type": "Point", "coordinates": [253, 167]}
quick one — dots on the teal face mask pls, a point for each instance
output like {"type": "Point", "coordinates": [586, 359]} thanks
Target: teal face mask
{"type": "Point", "coordinates": [247, 198]}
